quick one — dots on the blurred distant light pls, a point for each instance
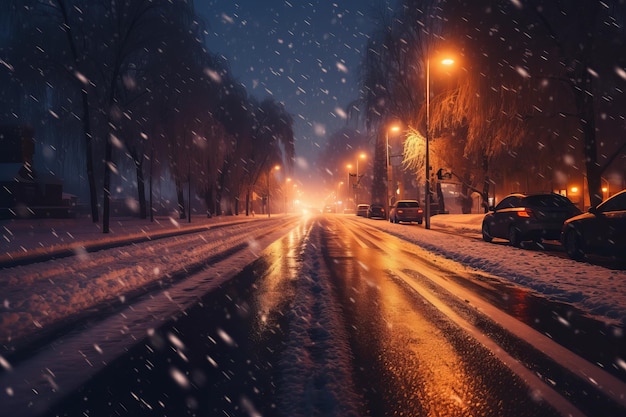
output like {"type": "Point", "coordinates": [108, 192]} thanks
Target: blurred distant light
{"type": "Point", "coordinates": [574, 189]}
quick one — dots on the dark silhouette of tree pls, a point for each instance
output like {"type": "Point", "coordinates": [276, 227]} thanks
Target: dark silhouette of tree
{"type": "Point", "coordinates": [586, 42]}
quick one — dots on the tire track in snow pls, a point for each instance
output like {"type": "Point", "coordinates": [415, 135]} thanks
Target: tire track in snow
{"type": "Point", "coordinates": [316, 368]}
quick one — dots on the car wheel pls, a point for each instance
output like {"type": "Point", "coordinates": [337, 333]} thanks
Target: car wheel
{"type": "Point", "coordinates": [573, 248]}
{"type": "Point", "coordinates": [486, 233]}
{"type": "Point", "coordinates": [395, 220]}
{"type": "Point", "coordinates": [419, 222]}
{"type": "Point", "coordinates": [514, 237]}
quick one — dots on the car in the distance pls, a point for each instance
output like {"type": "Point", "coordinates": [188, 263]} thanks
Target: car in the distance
{"type": "Point", "coordinates": [601, 230]}
{"type": "Point", "coordinates": [330, 208]}
{"type": "Point", "coordinates": [406, 211]}
{"type": "Point", "coordinates": [376, 211]}
{"type": "Point", "coordinates": [523, 217]}
{"type": "Point", "coordinates": [361, 210]}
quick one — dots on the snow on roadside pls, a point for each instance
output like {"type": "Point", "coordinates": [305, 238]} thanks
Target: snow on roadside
{"type": "Point", "coordinates": [41, 294]}
{"type": "Point", "coordinates": [592, 288]}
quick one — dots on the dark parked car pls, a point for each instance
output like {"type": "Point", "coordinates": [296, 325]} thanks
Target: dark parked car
{"type": "Point", "coordinates": [520, 217]}
{"type": "Point", "coordinates": [406, 211]}
{"type": "Point", "coordinates": [361, 210]}
{"type": "Point", "coordinates": [376, 211]}
{"type": "Point", "coordinates": [601, 230]}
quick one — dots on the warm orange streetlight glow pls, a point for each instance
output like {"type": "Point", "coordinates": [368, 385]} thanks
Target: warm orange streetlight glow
{"type": "Point", "coordinates": [447, 61]}
{"type": "Point", "coordinates": [394, 128]}
{"type": "Point", "coordinates": [574, 189]}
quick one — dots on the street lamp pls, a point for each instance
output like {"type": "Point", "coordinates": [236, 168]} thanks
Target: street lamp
{"type": "Point", "coordinates": [393, 128]}
{"type": "Point", "coordinates": [447, 61]}
{"type": "Point", "coordinates": [358, 180]}
{"type": "Point", "coordinates": [275, 167]}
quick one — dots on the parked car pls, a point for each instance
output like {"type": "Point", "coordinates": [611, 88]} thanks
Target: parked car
{"type": "Point", "coordinates": [361, 210]}
{"type": "Point", "coordinates": [601, 230]}
{"type": "Point", "coordinates": [406, 211]}
{"type": "Point", "coordinates": [376, 211]}
{"type": "Point", "coordinates": [521, 217]}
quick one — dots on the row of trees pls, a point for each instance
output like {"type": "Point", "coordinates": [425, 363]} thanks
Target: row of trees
{"type": "Point", "coordinates": [537, 88]}
{"type": "Point", "coordinates": [130, 87]}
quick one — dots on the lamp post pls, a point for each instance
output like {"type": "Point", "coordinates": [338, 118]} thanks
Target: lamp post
{"type": "Point", "coordinates": [446, 61]}
{"type": "Point", "coordinates": [349, 166]}
{"type": "Point", "coordinates": [358, 180]}
{"type": "Point", "coordinates": [388, 164]}
{"type": "Point", "coordinates": [275, 167]}
{"type": "Point", "coordinates": [287, 182]}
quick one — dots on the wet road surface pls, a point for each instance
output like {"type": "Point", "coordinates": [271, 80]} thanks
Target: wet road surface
{"type": "Point", "coordinates": [332, 321]}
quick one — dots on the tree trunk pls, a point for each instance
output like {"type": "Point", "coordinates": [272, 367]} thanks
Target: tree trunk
{"type": "Point", "coordinates": [106, 211]}
{"type": "Point", "coordinates": [151, 177]}
{"type": "Point", "coordinates": [91, 177]}
{"type": "Point", "coordinates": [181, 199]}
{"type": "Point", "coordinates": [466, 196]}
{"type": "Point", "coordinates": [141, 184]}
{"type": "Point", "coordinates": [588, 126]}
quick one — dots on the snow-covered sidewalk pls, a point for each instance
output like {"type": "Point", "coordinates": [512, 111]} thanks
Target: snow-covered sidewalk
{"type": "Point", "coordinates": [34, 237]}
{"type": "Point", "coordinates": [592, 288]}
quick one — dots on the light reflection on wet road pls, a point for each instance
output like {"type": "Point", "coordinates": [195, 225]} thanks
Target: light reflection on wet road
{"type": "Point", "coordinates": [227, 355]}
{"type": "Point", "coordinates": [423, 364]}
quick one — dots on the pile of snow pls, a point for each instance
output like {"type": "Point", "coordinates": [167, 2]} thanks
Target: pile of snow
{"type": "Point", "coordinates": [598, 290]}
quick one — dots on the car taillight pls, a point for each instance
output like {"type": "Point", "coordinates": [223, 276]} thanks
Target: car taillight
{"type": "Point", "coordinates": [524, 212]}
{"type": "Point", "coordinates": [400, 211]}
{"type": "Point", "coordinates": [420, 210]}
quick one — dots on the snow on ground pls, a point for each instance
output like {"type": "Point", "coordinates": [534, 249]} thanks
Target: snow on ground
{"type": "Point", "coordinates": [41, 294]}
{"type": "Point", "coordinates": [592, 288]}
{"type": "Point", "coordinates": [32, 299]}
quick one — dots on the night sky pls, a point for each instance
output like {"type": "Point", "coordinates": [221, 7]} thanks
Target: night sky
{"type": "Point", "coordinates": [305, 54]}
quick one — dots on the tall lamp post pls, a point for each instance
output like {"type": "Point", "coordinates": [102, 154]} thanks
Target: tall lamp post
{"type": "Point", "coordinates": [446, 61]}
{"type": "Point", "coordinates": [388, 164]}
{"type": "Point", "coordinates": [358, 180]}
{"type": "Point", "coordinates": [275, 167]}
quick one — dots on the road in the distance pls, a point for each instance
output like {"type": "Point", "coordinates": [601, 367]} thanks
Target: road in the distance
{"type": "Point", "coordinates": [339, 319]}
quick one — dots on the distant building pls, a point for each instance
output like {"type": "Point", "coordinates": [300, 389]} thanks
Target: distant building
{"type": "Point", "coordinates": [23, 193]}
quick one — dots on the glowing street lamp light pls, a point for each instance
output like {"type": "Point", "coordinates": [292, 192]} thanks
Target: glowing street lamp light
{"type": "Point", "coordinates": [447, 61]}
{"type": "Point", "coordinates": [274, 168]}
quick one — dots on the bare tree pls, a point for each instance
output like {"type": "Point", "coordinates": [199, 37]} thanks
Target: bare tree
{"type": "Point", "coordinates": [587, 40]}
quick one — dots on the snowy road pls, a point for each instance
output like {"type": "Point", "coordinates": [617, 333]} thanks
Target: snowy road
{"type": "Point", "coordinates": [335, 318]}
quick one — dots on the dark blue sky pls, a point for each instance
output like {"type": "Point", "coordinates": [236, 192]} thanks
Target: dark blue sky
{"type": "Point", "coordinates": [305, 54]}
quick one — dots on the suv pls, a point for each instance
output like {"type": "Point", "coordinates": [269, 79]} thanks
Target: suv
{"type": "Point", "coordinates": [520, 217]}
{"type": "Point", "coordinates": [406, 211]}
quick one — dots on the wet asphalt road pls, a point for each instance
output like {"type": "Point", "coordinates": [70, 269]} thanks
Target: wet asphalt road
{"type": "Point", "coordinates": [223, 356]}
